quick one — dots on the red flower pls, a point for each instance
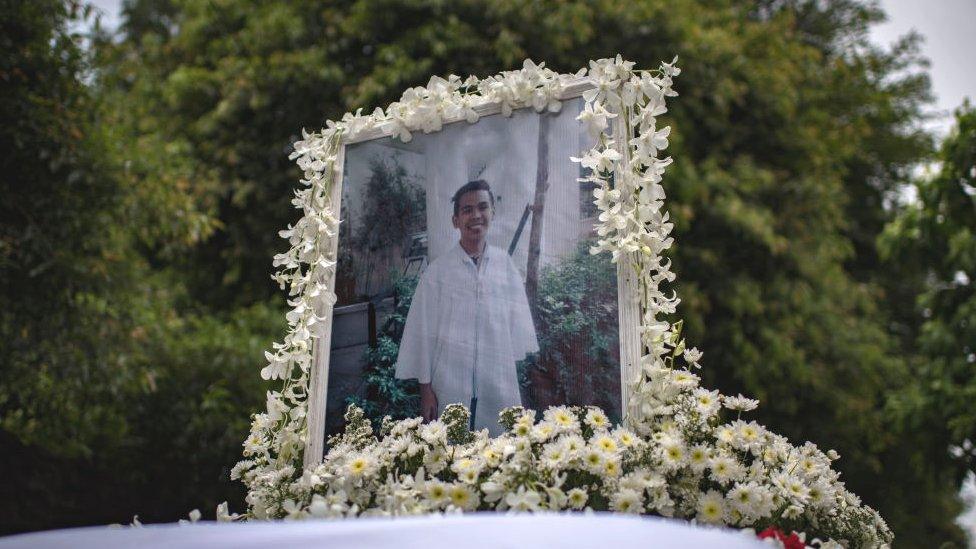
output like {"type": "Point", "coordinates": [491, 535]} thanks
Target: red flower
{"type": "Point", "coordinates": [792, 541]}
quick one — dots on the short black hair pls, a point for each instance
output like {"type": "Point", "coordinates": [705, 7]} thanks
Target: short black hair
{"type": "Point", "coordinates": [471, 186]}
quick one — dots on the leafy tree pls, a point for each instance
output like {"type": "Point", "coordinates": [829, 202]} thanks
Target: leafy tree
{"type": "Point", "coordinates": [115, 398]}
{"type": "Point", "coordinates": [936, 233]}
{"type": "Point", "coordinates": [57, 257]}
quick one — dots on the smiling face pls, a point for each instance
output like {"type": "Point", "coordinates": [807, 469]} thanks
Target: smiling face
{"type": "Point", "coordinates": [474, 213]}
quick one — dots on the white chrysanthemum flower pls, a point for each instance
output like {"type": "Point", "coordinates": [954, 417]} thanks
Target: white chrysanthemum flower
{"type": "Point", "coordinates": [577, 498]}
{"type": "Point", "coordinates": [605, 443]}
{"type": "Point", "coordinates": [698, 457]}
{"type": "Point", "coordinates": [652, 480]}
{"type": "Point", "coordinates": [811, 467]}
{"type": "Point", "coordinates": [771, 455]}
{"type": "Point", "coordinates": [673, 454]}
{"type": "Point", "coordinates": [625, 437]}
{"type": "Point", "coordinates": [522, 445]}
{"type": "Point", "coordinates": [360, 465]}
{"type": "Point", "coordinates": [434, 432]}
{"type": "Point", "coordinates": [435, 460]}
{"type": "Point", "coordinates": [725, 434]}
{"type": "Point", "coordinates": [631, 481]}
{"type": "Point", "coordinates": [611, 468]}
{"type": "Point", "coordinates": [397, 445]}
{"type": "Point", "coordinates": [254, 444]}
{"type": "Point", "coordinates": [554, 455]}
{"type": "Point", "coordinates": [684, 379]}
{"type": "Point", "coordinates": [692, 355]}
{"type": "Point", "coordinates": [740, 403]}
{"type": "Point", "coordinates": [757, 470]}
{"type": "Point", "coordinates": [414, 448]}
{"type": "Point", "coordinates": [462, 464]}
{"type": "Point", "coordinates": [725, 469]}
{"type": "Point", "coordinates": [562, 419]}
{"type": "Point", "coordinates": [822, 493]}
{"type": "Point", "coordinates": [574, 444]}
{"type": "Point", "coordinates": [463, 497]}
{"type": "Point", "coordinates": [711, 508]}
{"type": "Point", "coordinates": [748, 436]}
{"type": "Point", "coordinates": [523, 427]}
{"type": "Point", "coordinates": [542, 431]}
{"type": "Point", "coordinates": [791, 487]}
{"type": "Point", "coordinates": [491, 456]}
{"type": "Point", "coordinates": [405, 426]}
{"type": "Point", "coordinates": [707, 402]}
{"type": "Point", "coordinates": [596, 419]}
{"type": "Point", "coordinates": [467, 472]}
{"type": "Point", "coordinates": [627, 501]}
{"type": "Point", "coordinates": [744, 499]}
{"type": "Point", "coordinates": [593, 460]}
{"type": "Point", "coordinates": [437, 492]}
{"type": "Point", "coordinates": [792, 512]}
{"type": "Point", "coordinates": [765, 501]}
{"type": "Point", "coordinates": [752, 500]}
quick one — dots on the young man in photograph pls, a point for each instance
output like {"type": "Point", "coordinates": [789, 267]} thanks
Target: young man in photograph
{"type": "Point", "coordinates": [469, 321]}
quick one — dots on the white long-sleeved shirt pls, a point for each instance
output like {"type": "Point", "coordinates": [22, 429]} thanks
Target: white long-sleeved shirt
{"type": "Point", "coordinates": [467, 326]}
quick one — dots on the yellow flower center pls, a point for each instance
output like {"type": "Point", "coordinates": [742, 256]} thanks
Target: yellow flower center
{"type": "Point", "coordinates": [357, 466]}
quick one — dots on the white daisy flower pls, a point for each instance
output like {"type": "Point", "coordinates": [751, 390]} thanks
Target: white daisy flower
{"type": "Point", "coordinates": [562, 418]}
{"type": "Point", "coordinates": [698, 457]}
{"type": "Point", "coordinates": [707, 402]}
{"type": "Point", "coordinates": [740, 403]}
{"type": "Point", "coordinates": [711, 508]}
{"type": "Point", "coordinates": [434, 432]}
{"type": "Point", "coordinates": [596, 419]}
{"type": "Point", "coordinates": [463, 497]}
{"type": "Point", "coordinates": [725, 469]}
{"type": "Point", "coordinates": [359, 466]}
{"type": "Point", "coordinates": [577, 498]}
{"type": "Point", "coordinates": [436, 492]}
{"type": "Point", "coordinates": [605, 443]}
{"type": "Point", "coordinates": [593, 460]}
{"type": "Point", "coordinates": [627, 501]}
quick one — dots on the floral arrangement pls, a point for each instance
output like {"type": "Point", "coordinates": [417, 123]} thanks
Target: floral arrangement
{"type": "Point", "coordinates": [684, 450]}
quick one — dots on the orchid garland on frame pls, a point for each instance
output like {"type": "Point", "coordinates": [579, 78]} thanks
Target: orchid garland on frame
{"type": "Point", "coordinates": [684, 452]}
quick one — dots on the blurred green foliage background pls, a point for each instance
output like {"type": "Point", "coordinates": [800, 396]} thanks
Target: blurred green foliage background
{"type": "Point", "coordinates": [145, 176]}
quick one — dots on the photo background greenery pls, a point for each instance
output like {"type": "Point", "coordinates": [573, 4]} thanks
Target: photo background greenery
{"type": "Point", "coordinates": [384, 394]}
{"type": "Point", "coordinates": [579, 346]}
{"type": "Point", "coordinates": [145, 177]}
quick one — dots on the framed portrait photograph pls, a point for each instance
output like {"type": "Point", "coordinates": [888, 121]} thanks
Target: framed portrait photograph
{"type": "Point", "coordinates": [464, 275]}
